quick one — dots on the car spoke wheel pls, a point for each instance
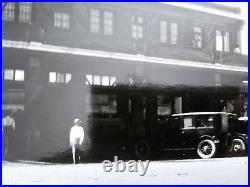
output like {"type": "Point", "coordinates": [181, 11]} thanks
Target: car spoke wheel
{"type": "Point", "coordinates": [238, 146]}
{"type": "Point", "coordinates": [206, 149]}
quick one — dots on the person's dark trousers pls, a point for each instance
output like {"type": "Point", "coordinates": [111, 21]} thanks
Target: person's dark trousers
{"type": "Point", "coordinates": [78, 155]}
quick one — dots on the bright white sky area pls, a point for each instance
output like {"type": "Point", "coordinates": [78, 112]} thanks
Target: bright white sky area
{"type": "Point", "coordinates": [244, 12]}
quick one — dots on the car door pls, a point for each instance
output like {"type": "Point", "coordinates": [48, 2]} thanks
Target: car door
{"type": "Point", "coordinates": [173, 136]}
{"type": "Point", "coordinates": [189, 134]}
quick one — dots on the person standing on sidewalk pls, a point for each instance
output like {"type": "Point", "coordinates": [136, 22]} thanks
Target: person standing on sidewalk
{"type": "Point", "coordinates": [8, 129]}
{"type": "Point", "coordinates": [76, 139]}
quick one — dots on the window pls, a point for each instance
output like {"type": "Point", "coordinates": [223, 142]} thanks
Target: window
{"type": "Point", "coordinates": [8, 74]}
{"type": "Point", "coordinates": [52, 77]}
{"type": "Point", "coordinates": [100, 80]}
{"type": "Point", "coordinates": [25, 12]}
{"type": "Point", "coordinates": [188, 122]}
{"type": "Point", "coordinates": [61, 20]}
{"type": "Point", "coordinates": [94, 21]}
{"type": "Point", "coordinates": [174, 33]}
{"type": "Point", "coordinates": [222, 41]}
{"type": "Point", "coordinates": [204, 121]}
{"type": "Point", "coordinates": [9, 12]}
{"type": "Point", "coordinates": [97, 80]}
{"type": "Point", "coordinates": [13, 74]}
{"type": "Point", "coordinates": [219, 39]}
{"type": "Point", "coordinates": [68, 77]}
{"type": "Point", "coordinates": [102, 105]}
{"type": "Point", "coordinates": [226, 41]}
{"type": "Point", "coordinates": [163, 32]}
{"type": "Point", "coordinates": [137, 27]}
{"type": "Point", "coordinates": [19, 75]}
{"type": "Point", "coordinates": [101, 21]}
{"type": "Point", "coordinates": [107, 23]}
{"type": "Point", "coordinates": [60, 77]}
{"type": "Point", "coordinates": [217, 79]}
{"type": "Point", "coordinates": [56, 77]}
{"type": "Point", "coordinates": [164, 107]}
{"type": "Point", "coordinates": [197, 34]}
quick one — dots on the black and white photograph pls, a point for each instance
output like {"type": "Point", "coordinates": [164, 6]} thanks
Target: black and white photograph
{"type": "Point", "coordinates": [114, 93]}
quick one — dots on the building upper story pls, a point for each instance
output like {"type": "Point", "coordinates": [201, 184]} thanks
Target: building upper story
{"type": "Point", "coordinates": [202, 32]}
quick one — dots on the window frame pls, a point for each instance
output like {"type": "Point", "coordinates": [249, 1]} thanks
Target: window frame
{"type": "Point", "coordinates": [94, 106]}
{"type": "Point", "coordinates": [137, 27]}
{"type": "Point", "coordinates": [25, 13]}
{"type": "Point", "coordinates": [14, 71]}
{"type": "Point", "coordinates": [103, 24]}
{"type": "Point", "coordinates": [201, 34]}
{"type": "Point", "coordinates": [56, 81]}
{"type": "Point", "coordinates": [169, 31]}
{"type": "Point", "coordinates": [61, 20]}
{"type": "Point", "coordinates": [223, 32]}
{"type": "Point", "coordinates": [9, 13]}
{"type": "Point", "coordinates": [89, 80]}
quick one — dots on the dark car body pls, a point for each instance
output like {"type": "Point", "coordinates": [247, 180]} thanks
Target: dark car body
{"type": "Point", "coordinates": [238, 140]}
{"type": "Point", "coordinates": [187, 130]}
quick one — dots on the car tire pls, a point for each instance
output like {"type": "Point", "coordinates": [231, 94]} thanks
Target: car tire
{"type": "Point", "coordinates": [206, 149]}
{"type": "Point", "coordinates": [238, 147]}
{"type": "Point", "coordinates": [142, 149]}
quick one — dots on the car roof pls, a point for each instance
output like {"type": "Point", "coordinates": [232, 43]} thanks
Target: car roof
{"type": "Point", "coordinates": [201, 113]}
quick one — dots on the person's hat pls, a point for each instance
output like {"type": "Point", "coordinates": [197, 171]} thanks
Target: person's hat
{"type": "Point", "coordinates": [77, 120]}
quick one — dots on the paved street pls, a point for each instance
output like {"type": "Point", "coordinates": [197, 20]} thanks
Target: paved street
{"type": "Point", "coordinates": [211, 171]}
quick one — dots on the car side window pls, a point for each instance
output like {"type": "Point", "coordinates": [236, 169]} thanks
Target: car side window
{"type": "Point", "coordinates": [188, 122]}
{"type": "Point", "coordinates": [204, 121]}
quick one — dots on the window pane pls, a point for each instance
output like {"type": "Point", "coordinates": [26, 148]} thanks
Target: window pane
{"type": "Point", "coordinates": [68, 77]}
{"type": "Point", "coordinates": [8, 74]}
{"type": "Point", "coordinates": [174, 33]}
{"type": "Point", "coordinates": [94, 21]}
{"type": "Point", "coordinates": [61, 20]}
{"type": "Point", "coordinates": [188, 122]}
{"type": "Point", "coordinates": [197, 38]}
{"type": "Point", "coordinates": [163, 32]}
{"type": "Point", "coordinates": [140, 19]}
{"type": "Point", "coordinates": [137, 29]}
{"type": "Point", "coordinates": [226, 42]}
{"type": "Point", "coordinates": [102, 104]}
{"type": "Point", "coordinates": [19, 75]}
{"type": "Point", "coordinates": [140, 32]}
{"type": "Point", "coordinates": [108, 23]}
{"type": "Point", "coordinates": [25, 12]}
{"type": "Point", "coordinates": [52, 77]}
{"type": "Point", "coordinates": [9, 13]}
{"type": "Point", "coordinates": [219, 41]}
{"type": "Point", "coordinates": [197, 29]}
{"type": "Point", "coordinates": [105, 81]}
{"type": "Point", "coordinates": [89, 80]}
{"type": "Point", "coordinates": [97, 80]}
{"type": "Point", "coordinates": [134, 31]}
{"type": "Point", "coordinates": [204, 121]}
{"type": "Point", "coordinates": [164, 106]}
{"type": "Point", "coordinates": [60, 78]}
{"type": "Point", "coordinates": [112, 81]}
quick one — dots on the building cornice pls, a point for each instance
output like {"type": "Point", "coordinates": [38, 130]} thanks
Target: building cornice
{"type": "Point", "coordinates": [35, 46]}
{"type": "Point", "coordinates": [205, 9]}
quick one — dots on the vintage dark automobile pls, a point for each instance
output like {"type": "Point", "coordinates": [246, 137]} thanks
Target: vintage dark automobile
{"type": "Point", "coordinates": [205, 132]}
{"type": "Point", "coordinates": [238, 141]}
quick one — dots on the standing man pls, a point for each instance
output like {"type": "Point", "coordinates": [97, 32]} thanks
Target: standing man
{"type": "Point", "coordinates": [8, 128]}
{"type": "Point", "coordinates": [76, 139]}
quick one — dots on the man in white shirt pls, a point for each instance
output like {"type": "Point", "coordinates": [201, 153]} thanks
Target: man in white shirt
{"type": "Point", "coordinates": [8, 128]}
{"type": "Point", "coordinates": [76, 139]}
